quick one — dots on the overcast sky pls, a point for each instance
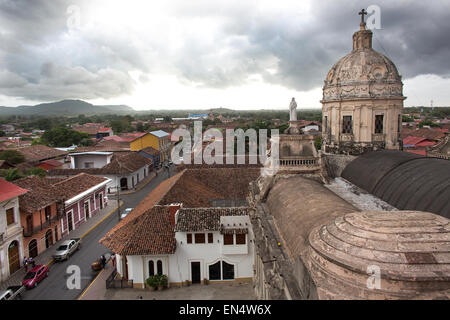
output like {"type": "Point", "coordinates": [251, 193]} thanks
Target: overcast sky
{"type": "Point", "coordinates": [207, 54]}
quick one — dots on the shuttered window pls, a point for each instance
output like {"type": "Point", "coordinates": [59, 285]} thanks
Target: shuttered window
{"type": "Point", "coordinates": [228, 239]}
{"type": "Point", "coordinates": [199, 238]}
{"type": "Point", "coordinates": [10, 216]}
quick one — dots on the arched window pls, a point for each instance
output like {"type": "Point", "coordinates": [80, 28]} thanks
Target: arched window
{"type": "Point", "coordinates": [228, 271]}
{"type": "Point", "coordinates": [159, 267]}
{"type": "Point", "coordinates": [214, 271]}
{"type": "Point", "coordinates": [151, 268]}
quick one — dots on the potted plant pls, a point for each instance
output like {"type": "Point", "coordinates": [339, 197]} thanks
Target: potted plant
{"type": "Point", "coordinates": [152, 282]}
{"type": "Point", "coordinates": [162, 283]}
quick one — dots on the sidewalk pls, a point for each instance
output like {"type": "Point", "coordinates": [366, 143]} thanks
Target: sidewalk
{"type": "Point", "coordinates": [97, 288]}
{"type": "Point", "coordinates": [46, 256]}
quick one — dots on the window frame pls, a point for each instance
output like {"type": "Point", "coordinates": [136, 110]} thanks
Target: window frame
{"type": "Point", "coordinates": [13, 216]}
{"type": "Point", "coordinates": [239, 237]}
{"type": "Point", "coordinates": [199, 238]}
{"type": "Point", "coordinates": [378, 123]}
{"type": "Point", "coordinates": [347, 126]}
{"type": "Point", "coordinates": [225, 242]}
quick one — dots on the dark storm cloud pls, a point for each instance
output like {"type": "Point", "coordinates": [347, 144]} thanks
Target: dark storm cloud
{"type": "Point", "coordinates": [412, 34]}
{"type": "Point", "coordinates": [286, 47]}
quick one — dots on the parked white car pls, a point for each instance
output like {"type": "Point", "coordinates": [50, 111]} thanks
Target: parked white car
{"type": "Point", "coordinates": [125, 212]}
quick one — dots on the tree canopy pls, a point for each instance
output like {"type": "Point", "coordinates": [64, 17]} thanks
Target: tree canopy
{"type": "Point", "coordinates": [64, 137]}
{"type": "Point", "coordinates": [12, 156]}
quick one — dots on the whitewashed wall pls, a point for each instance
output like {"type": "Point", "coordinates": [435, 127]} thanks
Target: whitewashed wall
{"type": "Point", "coordinates": [10, 233]}
{"type": "Point", "coordinates": [178, 266]}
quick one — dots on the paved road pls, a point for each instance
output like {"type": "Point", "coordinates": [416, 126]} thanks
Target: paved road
{"type": "Point", "coordinates": [54, 287]}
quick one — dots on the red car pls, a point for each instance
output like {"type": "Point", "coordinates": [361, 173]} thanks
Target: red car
{"type": "Point", "coordinates": [34, 276]}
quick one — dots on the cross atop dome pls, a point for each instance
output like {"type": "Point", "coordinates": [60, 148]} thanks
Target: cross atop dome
{"type": "Point", "coordinates": [363, 13]}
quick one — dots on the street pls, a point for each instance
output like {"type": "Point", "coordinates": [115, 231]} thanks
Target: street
{"type": "Point", "coordinates": [54, 287]}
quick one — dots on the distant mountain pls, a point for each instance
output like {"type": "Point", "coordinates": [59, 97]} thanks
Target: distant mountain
{"type": "Point", "coordinates": [65, 108]}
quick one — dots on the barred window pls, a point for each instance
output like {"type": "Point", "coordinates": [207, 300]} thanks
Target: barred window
{"type": "Point", "coordinates": [189, 238]}
{"type": "Point", "coordinates": [228, 239]}
{"type": "Point", "coordinates": [347, 124]}
{"type": "Point", "coordinates": [240, 239]}
{"type": "Point", "coordinates": [199, 238]}
{"type": "Point", "coordinates": [379, 123]}
{"type": "Point", "coordinates": [210, 238]}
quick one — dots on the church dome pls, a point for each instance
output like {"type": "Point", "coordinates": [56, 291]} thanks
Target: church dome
{"type": "Point", "coordinates": [364, 73]}
{"type": "Point", "coordinates": [408, 250]}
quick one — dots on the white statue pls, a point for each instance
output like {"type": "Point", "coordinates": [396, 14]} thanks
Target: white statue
{"type": "Point", "coordinates": [293, 110]}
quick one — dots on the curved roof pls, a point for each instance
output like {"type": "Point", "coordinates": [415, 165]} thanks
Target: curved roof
{"type": "Point", "coordinates": [363, 74]}
{"type": "Point", "coordinates": [298, 205]}
{"type": "Point", "coordinates": [410, 249]}
{"type": "Point", "coordinates": [404, 180]}
{"type": "Point", "coordinates": [363, 66]}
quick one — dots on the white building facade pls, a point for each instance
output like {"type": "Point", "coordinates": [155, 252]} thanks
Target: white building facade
{"type": "Point", "coordinates": [11, 236]}
{"type": "Point", "coordinates": [220, 251]}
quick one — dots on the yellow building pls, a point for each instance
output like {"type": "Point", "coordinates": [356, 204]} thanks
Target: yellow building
{"type": "Point", "coordinates": [158, 140]}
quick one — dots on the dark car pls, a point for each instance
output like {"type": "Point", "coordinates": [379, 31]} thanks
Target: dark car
{"type": "Point", "coordinates": [34, 276]}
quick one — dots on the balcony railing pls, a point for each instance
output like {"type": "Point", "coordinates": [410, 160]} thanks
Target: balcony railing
{"type": "Point", "coordinates": [299, 162]}
{"type": "Point", "coordinates": [28, 232]}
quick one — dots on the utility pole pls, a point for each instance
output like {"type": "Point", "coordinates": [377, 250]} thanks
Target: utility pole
{"type": "Point", "coordinates": [118, 200]}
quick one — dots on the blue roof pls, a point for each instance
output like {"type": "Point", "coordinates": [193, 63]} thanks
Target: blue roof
{"type": "Point", "coordinates": [159, 133]}
{"type": "Point", "coordinates": [198, 115]}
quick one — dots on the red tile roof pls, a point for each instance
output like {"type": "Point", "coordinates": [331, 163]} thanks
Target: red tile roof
{"type": "Point", "coordinates": [41, 193]}
{"type": "Point", "coordinates": [151, 233]}
{"type": "Point", "coordinates": [75, 185]}
{"type": "Point", "coordinates": [198, 187]}
{"type": "Point", "coordinates": [117, 237]}
{"type": "Point", "coordinates": [9, 190]}
{"type": "Point", "coordinates": [205, 219]}
{"type": "Point", "coordinates": [40, 153]}
{"type": "Point", "coordinates": [45, 191]}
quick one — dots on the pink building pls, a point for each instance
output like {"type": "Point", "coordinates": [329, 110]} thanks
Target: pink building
{"type": "Point", "coordinates": [85, 196]}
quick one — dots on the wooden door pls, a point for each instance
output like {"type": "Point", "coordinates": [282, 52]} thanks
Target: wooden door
{"type": "Point", "coordinates": [195, 272]}
{"type": "Point", "coordinates": [13, 256]}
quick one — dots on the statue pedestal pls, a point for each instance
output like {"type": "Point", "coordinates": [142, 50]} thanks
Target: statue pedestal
{"type": "Point", "coordinates": [294, 127]}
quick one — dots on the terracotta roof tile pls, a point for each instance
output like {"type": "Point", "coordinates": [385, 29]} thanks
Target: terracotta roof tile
{"type": "Point", "coordinates": [40, 152]}
{"type": "Point", "coordinates": [205, 219]}
{"type": "Point", "coordinates": [150, 233]}
{"type": "Point", "coordinates": [9, 190]}
{"type": "Point", "coordinates": [198, 187]}
{"type": "Point", "coordinates": [75, 185]}
{"type": "Point", "coordinates": [41, 193]}
{"type": "Point", "coordinates": [116, 237]}
{"type": "Point", "coordinates": [45, 191]}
